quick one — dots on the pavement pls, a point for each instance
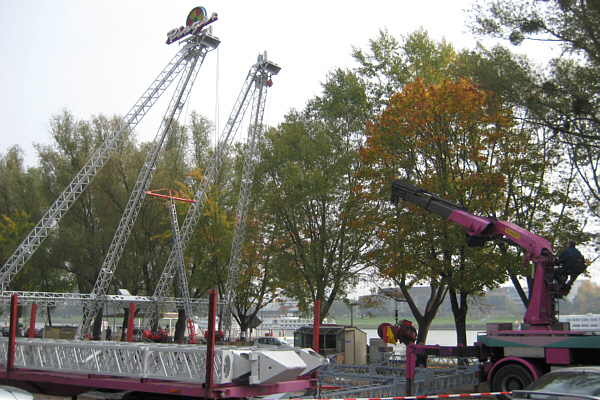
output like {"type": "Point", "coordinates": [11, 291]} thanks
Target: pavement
{"type": "Point", "coordinates": [80, 397]}
{"type": "Point", "coordinates": [483, 388]}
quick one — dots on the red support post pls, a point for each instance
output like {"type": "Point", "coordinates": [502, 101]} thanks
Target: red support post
{"type": "Point", "coordinates": [130, 320]}
{"type": "Point", "coordinates": [10, 357]}
{"type": "Point", "coordinates": [316, 325]}
{"type": "Point", "coordinates": [210, 342]}
{"type": "Point", "coordinates": [32, 320]}
{"type": "Point", "coordinates": [411, 360]}
{"type": "Point", "coordinates": [191, 330]}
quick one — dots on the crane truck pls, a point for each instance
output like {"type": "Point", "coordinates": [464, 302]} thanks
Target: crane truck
{"type": "Point", "coordinates": [511, 359]}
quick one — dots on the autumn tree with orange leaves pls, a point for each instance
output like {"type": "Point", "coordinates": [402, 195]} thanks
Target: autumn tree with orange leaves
{"type": "Point", "coordinates": [453, 140]}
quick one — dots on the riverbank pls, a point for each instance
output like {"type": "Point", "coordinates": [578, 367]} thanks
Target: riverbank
{"type": "Point", "coordinates": [436, 327]}
{"type": "Point", "coordinates": [442, 323]}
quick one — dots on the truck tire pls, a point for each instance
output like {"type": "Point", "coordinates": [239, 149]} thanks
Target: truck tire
{"type": "Point", "coordinates": [510, 377]}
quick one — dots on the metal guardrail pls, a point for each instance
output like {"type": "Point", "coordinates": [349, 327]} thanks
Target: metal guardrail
{"type": "Point", "coordinates": [442, 374]}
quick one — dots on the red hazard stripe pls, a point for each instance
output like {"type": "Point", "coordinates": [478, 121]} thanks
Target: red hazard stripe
{"type": "Point", "coordinates": [439, 396]}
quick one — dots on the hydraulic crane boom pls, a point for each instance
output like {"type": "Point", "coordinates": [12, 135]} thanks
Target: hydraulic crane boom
{"type": "Point", "coordinates": [478, 229]}
{"type": "Point", "coordinates": [542, 310]}
{"type": "Point", "coordinates": [405, 191]}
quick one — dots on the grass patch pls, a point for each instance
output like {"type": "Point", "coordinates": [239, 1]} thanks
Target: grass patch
{"type": "Point", "coordinates": [373, 323]}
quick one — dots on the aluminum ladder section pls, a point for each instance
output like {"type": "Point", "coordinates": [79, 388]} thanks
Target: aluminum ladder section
{"type": "Point", "coordinates": [262, 82]}
{"type": "Point", "coordinates": [201, 196]}
{"type": "Point", "coordinates": [195, 50]}
{"type": "Point", "coordinates": [63, 203]}
{"type": "Point", "coordinates": [138, 360]}
{"type": "Point", "coordinates": [186, 363]}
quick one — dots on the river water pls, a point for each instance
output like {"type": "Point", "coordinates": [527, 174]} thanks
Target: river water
{"type": "Point", "coordinates": [441, 337]}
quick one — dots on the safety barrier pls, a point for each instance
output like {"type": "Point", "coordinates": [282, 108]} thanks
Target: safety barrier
{"type": "Point", "coordinates": [439, 396]}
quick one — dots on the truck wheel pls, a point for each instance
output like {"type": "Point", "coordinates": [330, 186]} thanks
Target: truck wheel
{"type": "Point", "coordinates": [510, 377]}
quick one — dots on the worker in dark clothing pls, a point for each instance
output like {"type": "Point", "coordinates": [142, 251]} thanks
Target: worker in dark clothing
{"type": "Point", "coordinates": [570, 262]}
{"type": "Point", "coordinates": [108, 333]}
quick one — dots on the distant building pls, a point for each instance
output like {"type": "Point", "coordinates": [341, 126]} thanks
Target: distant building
{"type": "Point", "coordinates": [504, 301]}
{"type": "Point", "coordinates": [513, 295]}
{"type": "Point", "coordinates": [385, 303]}
{"type": "Point", "coordinates": [499, 301]}
{"type": "Point", "coordinates": [589, 322]}
{"type": "Point", "coordinates": [282, 306]}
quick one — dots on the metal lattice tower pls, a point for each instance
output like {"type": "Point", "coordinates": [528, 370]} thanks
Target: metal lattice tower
{"type": "Point", "coordinates": [63, 203]}
{"type": "Point", "coordinates": [183, 283]}
{"type": "Point", "coordinates": [255, 74]}
{"type": "Point", "coordinates": [193, 56]}
{"type": "Point", "coordinates": [262, 82]}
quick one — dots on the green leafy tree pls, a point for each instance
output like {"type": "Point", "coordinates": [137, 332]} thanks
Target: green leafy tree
{"type": "Point", "coordinates": [388, 64]}
{"type": "Point", "coordinates": [209, 249]}
{"type": "Point", "coordinates": [454, 141]}
{"type": "Point", "coordinates": [558, 102]}
{"type": "Point", "coordinates": [538, 179]}
{"type": "Point", "coordinates": [588, 298]}
{"type": "Point", "coordinates": [386, 67]}
{"type": "Point", "coordinates": [565, 96]}
{"type": "Point", "coordinates": [19, 200]}
{"type": "Point", "coordinates": [19, 185]}
{"type": "Point", "coordinates": [82, 235]}
{"type": "Point", "coordinates": [308, 175]}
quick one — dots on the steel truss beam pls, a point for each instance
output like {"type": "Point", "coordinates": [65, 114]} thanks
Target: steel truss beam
{"type": "Point", "coordinates": [63, 203]}
{"type": "Point", "coordinates": [201, 196]}
{"type": "Point", "coordinates": [174, 362]}
{"type": "Point", "coordinates": [195, 52]}
{"type": "Point", "coordinates": [78, 299]}
{"type": "Point", "coordinates": [261, 83]}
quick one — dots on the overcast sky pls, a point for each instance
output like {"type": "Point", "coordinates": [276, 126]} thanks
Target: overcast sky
{"type": "Point", "coordinates": [98, 57]}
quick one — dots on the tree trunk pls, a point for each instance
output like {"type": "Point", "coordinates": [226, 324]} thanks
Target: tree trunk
{"type": "Point", "coordinates": [459, 310]}
{"type": "Point", "coordinates": [424, 320]}
{"type": "Point", "coordinates": [424, 324]}
{"type": "Point", "coordinates": [49, 311]}
{"type": "Point", "coordinates": [520, 290]}
{"type": "Point", "coordinates": [125, 323]}
{"type": "Point", "coordinates": [97, 327]}
{"type": "Point", "coordinates": [180, 326]}
{"type": "Point", "coordinates": [244, 322]}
